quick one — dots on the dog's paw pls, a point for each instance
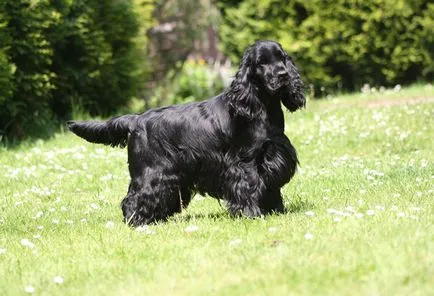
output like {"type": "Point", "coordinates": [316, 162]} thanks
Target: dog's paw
{"type": "Point", "coordinates": [252, 212]}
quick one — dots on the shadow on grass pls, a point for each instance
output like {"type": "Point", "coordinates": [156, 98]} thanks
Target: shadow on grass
{"type": "Point", "coordinates": [298, 204]}
{"type": "Point", "coordinates": [200, 216]}
{"type": "Point", "coordinates": [295, 205]}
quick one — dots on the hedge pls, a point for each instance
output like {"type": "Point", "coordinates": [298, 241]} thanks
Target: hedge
{"type": "Point", "coordinates": [339, 44]}
{"type": "Point", "coordinates": [57, 55]}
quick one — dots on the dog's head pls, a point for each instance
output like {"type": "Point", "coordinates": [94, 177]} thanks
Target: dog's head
{"type": "Point", "coordinates": [266, 70]}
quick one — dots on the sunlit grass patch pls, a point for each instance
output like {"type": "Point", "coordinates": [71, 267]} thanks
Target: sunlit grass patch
{"type": "Point", "coordinates": [359, 218]}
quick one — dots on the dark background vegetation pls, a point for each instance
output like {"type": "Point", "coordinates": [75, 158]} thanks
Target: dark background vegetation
{"type": "Point", "coordinates": [63, 58]}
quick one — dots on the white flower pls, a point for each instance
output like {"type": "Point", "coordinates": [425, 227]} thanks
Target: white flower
{"type": "Point", "coordinates": [272, 229]}
{"type": "Point", "coordinates": [58, 280]}
{"type": "Point", "coordinates": [336, 219]}
{"type": "Point", "coordinates": [2, 251]}
{"type": "Point", "coordinates": [26, 243]}
{"type": "Point", "coordinates": [400, 214]}
{"type": "Point", "coordinates": [39, 214]}
{"type": "Point", "coordinates": [191, 228]}
{"type": "Point", "coordinates": [370, 212]}
{"type": "Point", "coordinates": [308, 236]}
{"type": "Point", "coordinates": [235, 242]}
{"type": "Point", "coordinates": [110, 224]}
{"type": "Point", "coordinates": [145, 229]}
{"type": "Point", "coordinates": [358, 215]}
{"type": "Point", "coordinates": [29, 289]}
{"type": "Point", "coordinates": [309, 213]}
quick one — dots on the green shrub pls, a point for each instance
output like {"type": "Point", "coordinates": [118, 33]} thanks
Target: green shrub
{"type": "Point", "coordinates": [340, 44]}
{"type": "Point", "coordinates": [25, 60]}
{"type": "Point", "coordinates": [196, 81]}
{"type": "Point", "coordinates": [65, 55]}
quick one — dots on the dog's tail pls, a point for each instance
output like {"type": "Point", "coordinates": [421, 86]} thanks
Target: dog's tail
{"type": "Point", "coordinates": [113, 132]}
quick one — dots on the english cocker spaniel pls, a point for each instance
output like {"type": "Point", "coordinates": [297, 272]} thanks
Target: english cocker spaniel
{"type": "Point", "coordinates": [232, 146]}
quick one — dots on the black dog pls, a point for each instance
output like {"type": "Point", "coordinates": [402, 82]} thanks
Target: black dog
{"type": "Point", "coordinates": [232, 146]}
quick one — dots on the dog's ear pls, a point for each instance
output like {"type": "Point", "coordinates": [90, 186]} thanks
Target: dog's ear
{"type": "Point", "coordinates": [243, 93]}
{"type": "Point", "coordinates": [293, 96]}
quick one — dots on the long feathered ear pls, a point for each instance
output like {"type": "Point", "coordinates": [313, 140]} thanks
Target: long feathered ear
{"type": "Point", "coordinates": [243, 93]}
{"type": "Point", "coordinates": [293, 96]}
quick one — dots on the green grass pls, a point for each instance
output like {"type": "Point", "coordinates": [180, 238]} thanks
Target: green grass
{"type": "Point", "coordinates": [364, 192]}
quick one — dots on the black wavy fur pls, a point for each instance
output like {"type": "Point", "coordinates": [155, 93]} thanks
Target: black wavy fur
{"type": "Point", "coordinates": [232, 146]}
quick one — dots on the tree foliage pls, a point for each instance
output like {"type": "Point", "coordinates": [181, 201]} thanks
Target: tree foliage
{"type": "Point", "coordinates": [56, 55]}
{"type": "Point", "coordinates": [344, 43]}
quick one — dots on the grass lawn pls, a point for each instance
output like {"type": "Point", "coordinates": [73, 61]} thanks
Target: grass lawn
{"type": "Point", "coordinates": [360, 221]}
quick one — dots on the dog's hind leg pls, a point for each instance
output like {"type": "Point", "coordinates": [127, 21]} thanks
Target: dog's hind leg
{"type": "Point", "coordinates": [153, 197]}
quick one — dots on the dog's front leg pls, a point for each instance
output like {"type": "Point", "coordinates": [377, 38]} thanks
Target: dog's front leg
{"type": "Point", "coordinates": [244, 190]}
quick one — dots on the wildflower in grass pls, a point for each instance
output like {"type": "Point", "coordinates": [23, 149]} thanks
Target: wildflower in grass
{"type": "Point", "coordinates": [37, 236]}
{"type": "Point", "coordinates": [63, 209]}
{"type": "Point", "coordinates": [52, 210]}
{"type": "Point", "coordinates": [55, 221]}
{"type": "Point", "coordinates": [26, 243]}
{"type": "Point", "coordinates": [29, 289]}
{"type": "Point", "coordinates": [309, 213]}
{"type": "Point", "coordinates": [2, 251]}
{"type": "Point", "coordinates": [370, 212]}
{"type": "Point", "coordinates": [272, 229]}
{"type": "Point", "coordinates": [83, 220]}
{"type": "Point", "coordinates": [39, 214]}
{"type": "Point", "coordinates": [308, 236]}
{"type": "Point", "coordinates": [396, 195]}
{"type": "Point", "coordinates": [69, 222]}
{"type": "Point", "coordinates": [350, 209]}
{"type": "Point", "coordinates": [358, 215]}
{"type": "Point", "coordinates": [58, 280]}
{"type": "Point", "coordinates": [40, 227]}
{"type": "Point", "coordinates": [337, 219]}
{"type": "Point", "coordinates": [235, 242]}
{"type": "Point", "coordinates": [400, 214]}
{"type": "Point", "coordinates": [145, 229]}
{"type": "Point", "coordinates": [94, 206]}
{"type": "Point", "coordinates": [110, 224]}
{"type": "Point", "coordinates": [191, 228]}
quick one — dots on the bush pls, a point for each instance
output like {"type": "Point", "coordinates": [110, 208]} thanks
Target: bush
{"type": "Point", "coordinates": [340, 44]}
{"type": "Point", "coordinates": [57, 55]}
{"type": "Point", "coordinates": [25, 59]}
{"type": "Point", "coordinates": [196, 81]}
